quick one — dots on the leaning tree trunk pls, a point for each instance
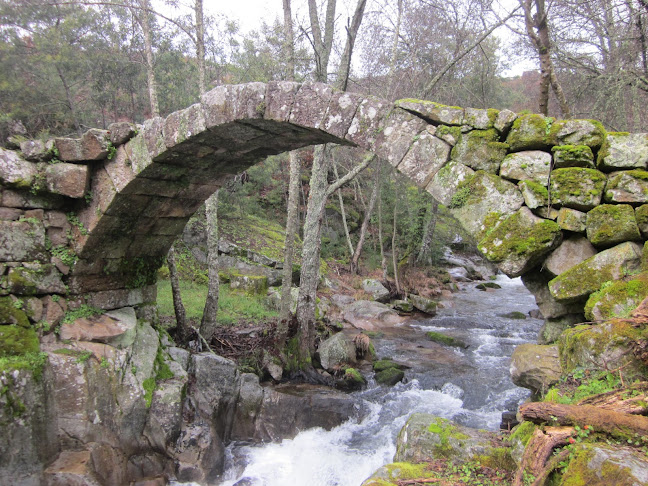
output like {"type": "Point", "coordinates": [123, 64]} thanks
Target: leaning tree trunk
{"type": "Point", "coordinates": [181, 315]}
{"type": "Point", "coordinates": [208, 324]}
{"type": "Point", "coordinates": [292, 221]}
{"type": "Point", "coordinates": [365, 223]}
{"type": "Point", "coordinates": [343, 212]}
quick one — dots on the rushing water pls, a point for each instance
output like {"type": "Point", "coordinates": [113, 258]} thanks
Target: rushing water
{"type": "Point", "coordinates": [470, 386]}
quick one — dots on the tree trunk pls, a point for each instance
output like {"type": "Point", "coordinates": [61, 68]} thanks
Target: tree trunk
{"type": "Point", "coordinates": [292, 221]}
{"type": "Point", "coordinates": [208, 324]}
{"type": "Point", "coordinates": [322, 46]}
{"type": "Point", "coordinates": [200, 45]}
{"type": "Point", "coordinates": [365, 222]}
{"type": "Point", "coordinates": [383, 258]}
{"type": "Point", "coordinates": [289, 48]}
{"type": "Point", "coordinates": [608, 421]}
{"type": "Point", "coordinates": [395, 251]}
{"type": "Point", "coordinates": [181, 316]}
{"type": "Point", "coordinates": [144, 19]}
{"type": "Point", "coordinates": [352, 33]}
{"type": "Point", "coordinates": [426, 242]}
{"type": "Point", "coordinates": [342, 212]}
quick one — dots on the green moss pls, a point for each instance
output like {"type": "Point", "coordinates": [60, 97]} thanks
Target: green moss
{"type": "Point", "coordinates": [389, 376]}
{"type": "Point", "coordinates": [440, 338]}
{"type": "Point", "coordinates": [577, 187]}
{"type": "Point", "coordinates": [351, 374]}
{"type": "Point", "coordinates": [12, 314]}
{"type": "Point", "coordinates": [149, 387]}
{"type": "Point", "coordinates": [540, 191]}
{"type": "Point", "coordinates": [82, 311]}
{"type": "Point", "coordinates": [609, 224]}
{"type": "Point", "coordinates": [384, 364]}
{"type": "Point", "coordinates": [618, 299]}
{"type": "Point", "coordinates": [593, 138]}
{"type": "Point", "coordinates": [33, 362]}
{"type": "Point", "coordinates": [573, 156]}
{"type": "Point", "coordinates": [453, 131]}
{"type": "Point", "coordinates": [445, 430]}
{"type": "Point", "coordinates": [523, 432]}
{"type": "Point", "coordinates": [529, 132]}
{"type": "Point", "coordinates": [498, 458]}
{"type": "Point", "coordinates": [515, 236]}
{"type": "Point", "coordinates": [15, 340]}
{"type": "Point", "coordinates": [583, 469]}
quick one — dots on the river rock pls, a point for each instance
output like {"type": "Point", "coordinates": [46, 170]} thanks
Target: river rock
{"type": "Point", "coordinates": [573, 156]}
{"type": "Point", "coordinates": [629, 186]}
{"type": "Point", "coordinates": [376, 289]}
{"type": "Point", "coordinates": [623, 151]}
{"type": "Point", "coordinates": [423, 304]}
{"type": "Point", "coordinates": [603, 346]}
{"type": "Point", "coordinates": [389, 376]}
{"type": "Point", "coordinates": [533, 165]}
{"type": "Point", "coordinates": [247, 407]}
{"type": "Point", "coordinates": [426, 437]}
{"type": "Point", "coordinates": [603, 465]}
{"type": "Point", "coordinates": [72, 468]}
{"type": "Point", "coordinates": [617, 299]}
{"type": "Point", "coordinates": [520, 242]}
{"type": "Point", "coordinates": [199, 453]}
{"type": "Point", "coordinates": [577, 188]}
{"type": "Point", "coordinates": [569, 253]}
{"type": "Point", "coordinates": [288, 409]}
{"type": "Point", "coordinates": [553, 328]}
{"type": "Point", "coordinates": [535, 367]}
{"type": "Point", "coordinates": [371, 316]}
{"type": "Point", "coordinates": [611, 224]}
{"type": "Point", "coordinates": [581, 280]}
{"type": "Point", "coordinates": [336, 351]}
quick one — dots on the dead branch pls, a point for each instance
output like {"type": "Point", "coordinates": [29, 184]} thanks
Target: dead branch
{"type": "Point", "coordinates": [632, 400]}
{"type": "Point", "coordinates": [539, 448]}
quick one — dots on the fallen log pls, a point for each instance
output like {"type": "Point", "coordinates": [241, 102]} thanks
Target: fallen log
{"type": "Point", "coordinates": [632, 400]}
{"type": "Point", "coordinates": [538, 449]}
{"type": "Point", "coordinates": [614, 423]}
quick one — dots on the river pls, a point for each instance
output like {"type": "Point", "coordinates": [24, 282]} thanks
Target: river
{"type": "Point", "coordinates": [470, 386]}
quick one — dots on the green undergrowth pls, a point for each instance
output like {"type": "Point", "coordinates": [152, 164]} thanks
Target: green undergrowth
{"type": "Point", "coordinates": [34, 362]}
{"type": "Point", "coordinates": [232, 306]}
{"type": "Point", "coordinates": [581, 384]}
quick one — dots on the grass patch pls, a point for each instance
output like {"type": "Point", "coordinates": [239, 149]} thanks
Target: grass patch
{"type": "Point", "coordinates": [232, 306]}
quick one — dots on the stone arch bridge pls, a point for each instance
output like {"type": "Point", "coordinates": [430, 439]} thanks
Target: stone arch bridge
{"type": "Point", "coordinates": [561, 202]}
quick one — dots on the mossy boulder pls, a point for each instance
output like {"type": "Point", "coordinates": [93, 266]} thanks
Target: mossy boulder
{"type": "Point", "coordinates": [617, 299]}
{"type": "Point", "coordinates": [480, 150]}
{"type": "Point", "coordinates": [572, 220]}
{"type": "Point", "coordinates": [602, 346]}
{"type": "Point", "coordinates": [337, 351]}
{"type": "Point", "coordinates": [529, 132]}
{"type": "Point", "coordinates": [629, 186]}
{"type": "Point", "coordinates": [577, 132]}
{"type": "Point", "coordinates": [22, 241]}
{"type": "Point", "coordinates": [389, 376]}
{"type": "Point", "coordinates": [623, 151]}
{"type": "Point", "coordinates": [11, 312]}
{"type": "Point", "coordinates": [484, 199]}
{"type": "Point", "coordinates": [554, 327]}
{"type": "Point", "coordinates": [16, 340]}
{"type": "Point", "coordinates": [536, 367]}
{"type": "Point", "coordinates": [447, 180]}
{"type": "Point", "coordinates": [536, 282]}
{"type": "Point", "coordinates": [601, 464]}
{"type": "Point", "coordinates": [446, 340]}
{"type": "Point", "coordinates": [573, 156]}
{"type": "Point", "coordinates": [351, 379]}
{"type": "Point", "coordinates": [249, 284]}
{"type": "Point", "coordinates": [610, 224]}
{"type": "Point", "coordinates": [535, 194]}
{"type": "Point", "coordinates": [533, 165]}
{"type": "Point", "coordinates": [427, 437]}
{"type": "Point", "coordinates": [480, 119]}
{"type": "Point", "coordinates": [580, 281]}
{"type": "Point", "coordinates": [577, 188]}
{"type": "Point", "coordinates": [520, 242]}
{"type": "Point", "coordinates": [384, 364]}
{"type": "Point", "coordinates": [423, 304]}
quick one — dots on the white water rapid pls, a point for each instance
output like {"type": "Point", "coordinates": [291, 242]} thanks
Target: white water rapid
{"type": "Point", "coordinates": [471, 386]}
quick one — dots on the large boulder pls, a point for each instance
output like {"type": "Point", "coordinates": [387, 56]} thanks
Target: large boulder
{"type": "Point", "coordinates": [577, 132]}
{"type": "Point", "coordinates": [376, 289]}
{"type": "Point", "coordinates": [536, 367]}
{"type": "Point", "coordinates": [577, 283]}
{"type": "Point", "coordinates": [446, 182]}
{"type": "Point", "coordinates": [529, 132]}
{"type": "Point", "coordinates": [480, 150]}
{"type": "Point", "coordinates": [554, 327]}
{"type": "Point", "coordinates": [572, 220]}
{"type": "Point", "coordinates": [370, 315]}
{"type": "Point", "coordinates": [423, 304]}
{"type": "Point", "coordinates": [520, 242]}
{"type": "Point", "coordinates": [336, 351]}
{"type": "Point", "coordinates": [603, 465]}
{"type": "Point", "coordinates": [573, 156]}
{"type": "Point", "coordinates": [536, 283]}
{"type": "Point", "coordinates": [427, 437]}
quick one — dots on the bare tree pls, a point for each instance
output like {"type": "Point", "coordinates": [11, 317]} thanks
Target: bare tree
{"type": "Point", "coordinates": [208, 324]}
